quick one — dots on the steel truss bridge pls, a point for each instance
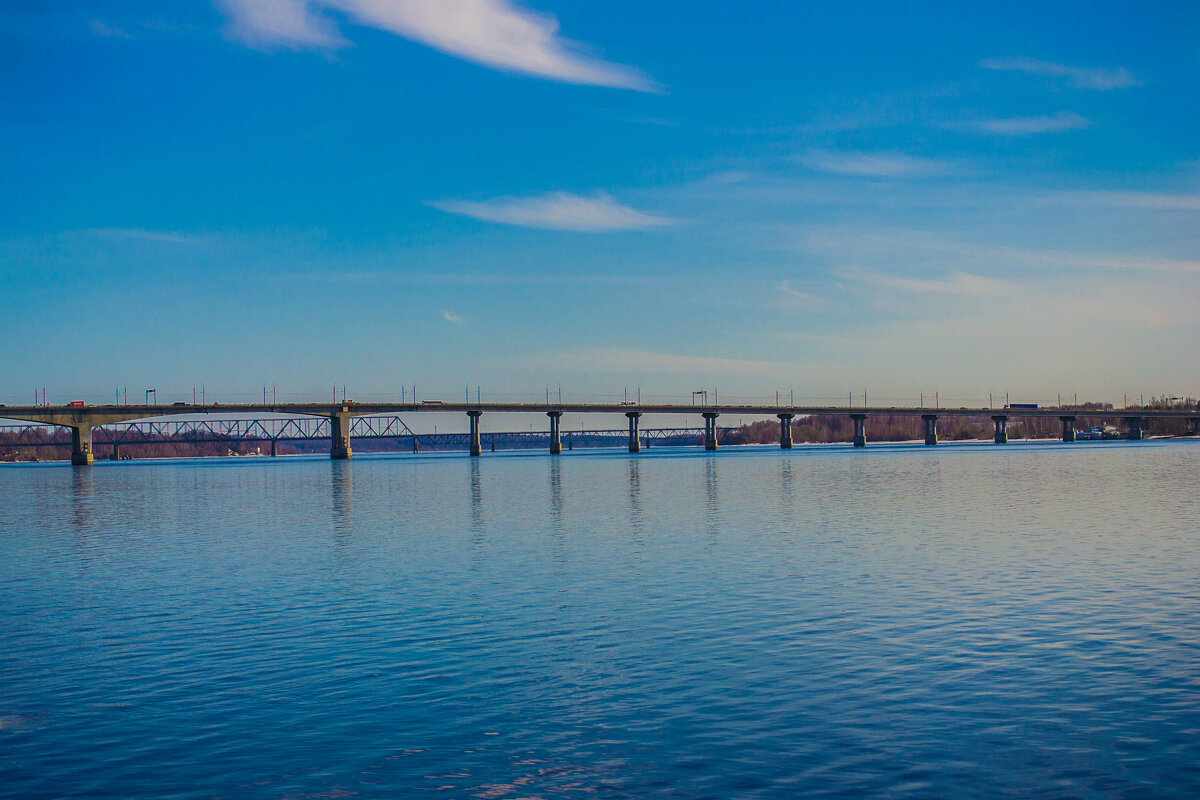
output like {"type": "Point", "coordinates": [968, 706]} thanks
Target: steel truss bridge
{"type": "Point", "coordinates": [302, 429]}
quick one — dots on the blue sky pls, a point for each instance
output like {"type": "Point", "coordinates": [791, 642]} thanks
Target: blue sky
{"type": "Point", "coordinates": [821, 198]}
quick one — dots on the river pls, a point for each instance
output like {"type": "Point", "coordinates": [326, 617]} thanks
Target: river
{"type": "Point", "coordinates": [897, 621]}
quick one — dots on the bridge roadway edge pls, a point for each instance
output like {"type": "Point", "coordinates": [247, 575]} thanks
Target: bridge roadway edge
{"type": "Point", "coordinates": [73, 416]}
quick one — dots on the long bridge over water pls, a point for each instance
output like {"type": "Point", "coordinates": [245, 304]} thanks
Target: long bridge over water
{"type": "Point", "coordinates": [83, 419]}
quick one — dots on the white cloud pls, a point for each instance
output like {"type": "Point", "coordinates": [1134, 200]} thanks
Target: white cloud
{"type": "Point", "coordinates": [557, 211]}
{"type": "Point", "coordinates": [875, 165]}
{"type": "Point", "coordinates": [285, 22]}
{"type": "Point", "coordinates": [494, 33]}
{"type": "Point", "coordinates": [1079, 77]}
{"type": "Point", "coordinates": [452, 318]}
{"type": "Point", "coordinates": [1025, 126]}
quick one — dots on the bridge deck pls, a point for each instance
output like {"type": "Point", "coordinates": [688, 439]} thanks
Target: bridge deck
{"type": "Point", "coordinates": [104, 414]}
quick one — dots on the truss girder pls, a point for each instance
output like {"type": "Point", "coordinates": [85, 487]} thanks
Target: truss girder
{"type": "Point", "coordinates": [282, 429]}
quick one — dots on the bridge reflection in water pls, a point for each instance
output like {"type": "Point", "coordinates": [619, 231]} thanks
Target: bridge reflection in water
{"type": "Point", "coordinates": [340, 423]}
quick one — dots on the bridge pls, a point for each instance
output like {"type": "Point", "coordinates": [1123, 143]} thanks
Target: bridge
{"type": "Point", "coordinates": [82, 419]}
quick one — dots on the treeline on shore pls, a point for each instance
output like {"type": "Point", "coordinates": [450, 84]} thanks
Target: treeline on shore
{"type": "Point", "coordinates": [55, 445]}
{"type": "Point", "coordinates": [822, 428]}
{"type": "Point", "coordinates": [46, 445]}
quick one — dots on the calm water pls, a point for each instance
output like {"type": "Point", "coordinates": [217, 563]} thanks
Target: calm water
{"type": "Point", "coordinates": [969, 620]}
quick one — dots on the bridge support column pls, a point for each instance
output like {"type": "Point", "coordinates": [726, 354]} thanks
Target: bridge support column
{"type": "Point", "coordinates": [785, 431]}
{"type": "Point", "coordinates": [339, 436]}
{"type": "Point", "coordinates": [274, 448]}
{"type": "Point", "coordinates": [1001, 428]}
{"type": "Point", "coordinates": [555, 436]}
{"type": "Point", "coordinates": [635, 436]}
{"type": "Point", "coordinates": [1194, 426]}
{"type": "Point", "coordinates": [416, 447]}
{"type": "Point", "coordinates": [1136, 428]}
{"type": "Point", "coordinates": [1068, 424]}
{"type": "Point", "coordinates": [116, 456]}
{"type": "Point", "coordinates": [860, 429]}
{"type": "Point", "coordinates": [930, 428]}
{"type": "Point", "coordinates": [476, 446]}
{"type": "Point", "coordinates": [81, 446]}
{"type": "Point", "coordinates": [710, 429]}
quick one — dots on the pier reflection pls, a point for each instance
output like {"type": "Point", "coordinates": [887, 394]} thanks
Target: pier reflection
{"type": "Point", "coordinates": [475, 484]}
{"type": "Point", "coordinates": [341, 493]}
{"type": "Point", "coordinates": [557, 517]}
{"type": "Point", "coordinates": [475, 520]}
{"type": "Point", "coordinates": [712, 499]}
{"type": "Point", "coordinates": [82, 497]}
{"type": "Point", "coordinates": [636, 513]}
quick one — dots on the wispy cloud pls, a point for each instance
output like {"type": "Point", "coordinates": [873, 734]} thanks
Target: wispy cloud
{"type": "Point", "coordinates": [604, 359]}
{"type": "Point", "coordinates": [874, 165]}
{"type": "Point", "coordinates": [1149, 201]}
{"type": "Point", "coordinates": [106, 31]}
{"type": "Point", "coordinates": [1024, 126]}
{"type": "Point", "coordinates": [1100, 78]}
{"type": "Point", "coordinates": [794, 298]}
{"type": "Point", "coordinates": [855, 246]}
{"type": "Point", "coordinates": [452, 318]}
{"type": "Point", "coordinates": [956, 283]}
{"type": "Point", "coordinates": [557, 211]}
{"type": "Point", "coordinates": [139, 234]}
{"type": "Point", "coordinates": [494, 33]}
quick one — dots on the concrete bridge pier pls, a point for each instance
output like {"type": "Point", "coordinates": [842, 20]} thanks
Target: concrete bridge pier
{"type": "Point", "coordinates": [1068, 424]}
{"type": "Point", "coordinates": [81, 445]}
{"type": "Point", "coordinates": [476, 446]}
{"type": "Point", "coordinates": [860, 429]}
{"type": "Point", "coordinates": [274, 449]}
{"type": "Point", "coordinates": [555, 437]}
{"type": "Point", "coordinates": [116, 455]}
{"type": "Point", "coordinates": [930, 428]}
{"type": "Point", "coordinates": [339, 436]}
{"type": "Point", "coordinates": [1001, 428]}
{"type": "Point", "coordinates": [710, 429]}
{"type": "Point", "coordinates": [785, 430]}
{"type": "Point", "coordinates": [1194, 426]}
{"type": "Point", "coordinates": [635, 438]}
{"type": "Point", "coordinates": [1136, 428]}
